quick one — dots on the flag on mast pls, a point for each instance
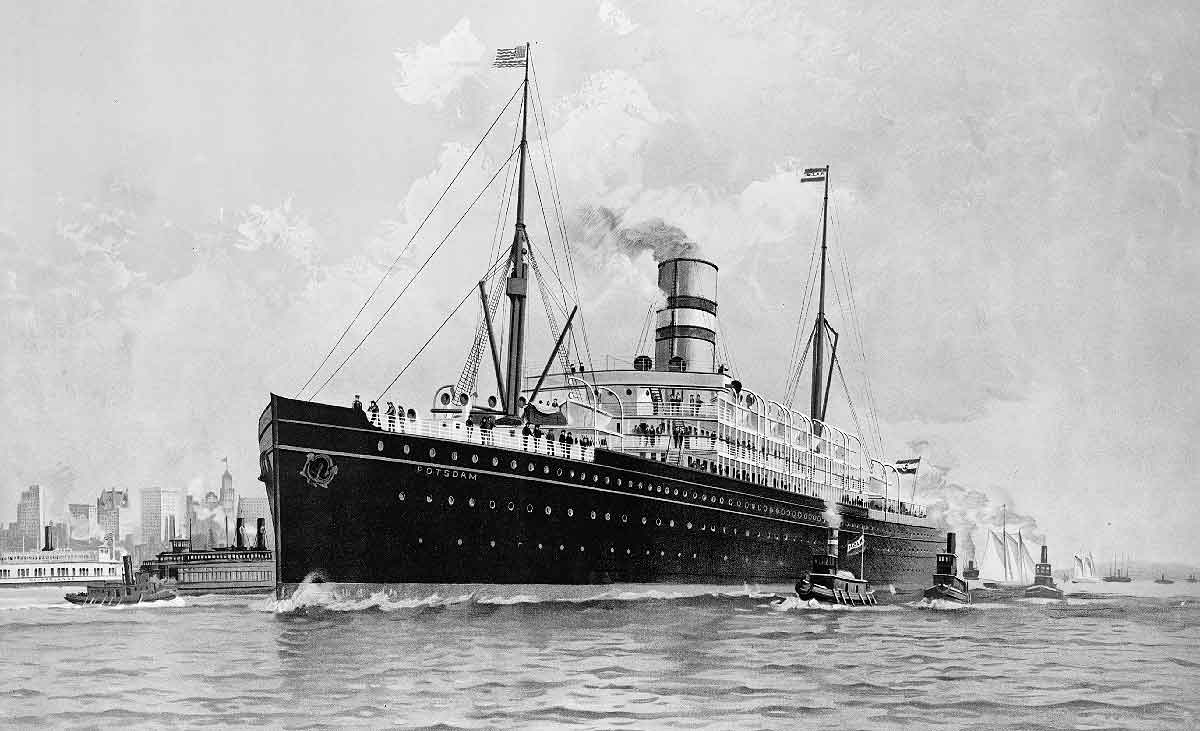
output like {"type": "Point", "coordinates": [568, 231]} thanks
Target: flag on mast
{"type": "Point", "coordinates": [857, 545]}
{"type": "Point", "coordinates": [510, 58]}
{"type": "Point", "coordinates": [814, 175]}
{"type": "Point", "coordinates": [908, 466]}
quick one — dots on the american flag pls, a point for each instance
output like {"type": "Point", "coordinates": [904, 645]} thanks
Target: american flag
{"type": "Point", "coordinates": [814, 175]}
{"type": "Point", "coordinates": [510, 58]}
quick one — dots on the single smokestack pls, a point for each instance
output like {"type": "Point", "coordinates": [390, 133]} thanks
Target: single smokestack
{"type": "Point", "coordinates": [1045, 555]}
{"type": "Point", "coordinates": [686, 332]}
{"type": "Point", "coordinates": [241, 532]}
{"type": "Point", "coordinates": [950, 543]}
{"type": "Point", "coordinates": [49, 540]}
{"type": "Point", "coordinates": [260, 538]}
{"type": "Point", "coordinates": [833, 542]}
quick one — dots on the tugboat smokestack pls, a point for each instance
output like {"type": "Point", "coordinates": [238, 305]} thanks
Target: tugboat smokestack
{"type": "Point", "coordinates": [1045, 554]}
{"type": "Point", "coordinates": [950, 543]}
{"type": "Point", "coordinates": [49, 540]}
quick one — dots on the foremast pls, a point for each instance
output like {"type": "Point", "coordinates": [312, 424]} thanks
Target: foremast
{"type": "Point", "coordinates": [517, 286]}
{"type": "Point", "coordinates": [819, 397]}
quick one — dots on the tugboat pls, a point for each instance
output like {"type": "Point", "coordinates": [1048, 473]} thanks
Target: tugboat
{"type": "Point", "coordinates": [1164, 580]}
{"type": "Point", "coordinates": [947, 586]}
{"type": "Point", "coordinates": [146, 588]}
{"type": "Point", "coordinates": [1043, 580]}
{"type": "Point", "coordinates": [827, 584]}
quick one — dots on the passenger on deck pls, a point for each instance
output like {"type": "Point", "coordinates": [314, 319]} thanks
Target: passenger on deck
{"type": "Point", "coordinates": [526, 432]}
{"type": "Point", "coordinates": [470, 428]}
{"type": "Point", "coordinates": [550, 441]}
{"type": "Point", "coordinates": [391, 416]}
{"type": "Point", "coordinates": [374, 410]}
{"type": "Point", "coordinates": [537, 437]}
{"type": "Point", "coordinates": [357, 403]}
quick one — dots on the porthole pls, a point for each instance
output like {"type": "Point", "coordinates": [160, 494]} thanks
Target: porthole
{"type": "Point", "coordinates": [607, 480]}
{"type": "Point", "coordinates": [618, 482]}
{"type": "Point", "coordinates": [407, 449]}
{"type": "Point", "coordinates": [492, 544]}
{"type": "Point", "coordinates": [471, 502]}
{"type": "Point", "coordinates": [561, 547]}
{"type": "Point", "coordinates": [460, 541]}
{"type": "Point", "coordinates": [724, 558]}
{"type": "Point", "coordinates": [662, 553]}
{"type": "Point", "coordinates": [672, 524]}
{"type": "Point", "coordinates": [693, 555]}
{"type": "Point", "coordinates": [722, 501]}
{"type": "Point", "coordinates": [612, 550]}
{"type": "Point", "coordinates": [529, 507]}
{"type": "Point", "coordinates": [546, 470]}
{"type": "Point", "coordinates": [581, 549]}
{"type": "Point", "coordinates": [450, 500]}
{"type": "Point", "coordinates": [420, 540]}
{"type": "Point", "coordinates": [704, 498]}
{"type": "Point", "coordinates": [492, 504]}
{"type": "Point", "coordinates": [643, 520]}
{"type": "Point", "coordinates": [679, 555]}
{"type": "Point", "coordinates": [624, 518]}
{"type": "Point", "coordinates": [583, 477]}
{"type": "Point", "coordinates": [379, 445]}
{"type": "Point", "coordinates": [539, 546]}
{"type": "Point", "coordinates": [474, 459]}
{"type": "Point", "coordinates": [495, 461]}
{"type": "Point", "coordinates": [511, 507]}
{"type": "Point", "coordinates": [531, 467]}
{"type": "Point", "coordinates": [428, 498]}
{"type": "Point", "coordinates": [432, 453]}
{"type": "Point", "coordinates": [547, 510]}
{"type": "Point", "coordinates": [593, 515]}
{"type": "Point", "coordinates": [626, 551]}
{"type": "Point", "coordinates": [454, 456]}
{"type": "Point", "coordinates": [572, 474]}
{"type": "Point", "coordinates": [559, 473]}
{"type": "Point", "coordinates": [570, 512]}
{"type": "Point", "coordinates": [640, 485]}
{"type": "Point", "coordinates": [689, 525]}
{"type": "Point", "coordinates": [513, 464]}
{"type": "Point", "coordinates": [608, 516]}
{"type": "Point", "coordinates": [595, 478]}
{"type": "Point", "coordinates": [676, 493]}
{"type": "Point", "coordinates": [658, 522]}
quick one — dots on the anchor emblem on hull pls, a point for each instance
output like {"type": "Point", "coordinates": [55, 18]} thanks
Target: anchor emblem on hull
{"type": "Point", "coordinates": [318, 470]}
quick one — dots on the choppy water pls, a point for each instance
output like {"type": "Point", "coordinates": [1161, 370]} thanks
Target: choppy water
{"type": "Point", "coordinates": [624, 657]}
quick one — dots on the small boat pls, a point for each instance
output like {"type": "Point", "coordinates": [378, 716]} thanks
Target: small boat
{"type": "Point", "coordinates": [947, 585]}
{"type": "Point", "coordinates": [1164, 580]}
{"type": "Point", "coordinates": [1119, 573]}
{"type": "Point", "coordinates": [1192, 579]}
{"type": "Point", "coordinates": [1043, 580]}
{"type": "Point", "coordinates": [145, 587]}
{"type": "Point", "coordinates": [826, 584]}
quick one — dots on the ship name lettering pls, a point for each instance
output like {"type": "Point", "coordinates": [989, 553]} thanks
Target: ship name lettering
{"type": "Point", "coordinates": [441, 472]}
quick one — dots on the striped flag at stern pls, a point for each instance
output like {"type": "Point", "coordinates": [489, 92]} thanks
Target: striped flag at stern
{"type": "Point", "coordinates": [510, 58]}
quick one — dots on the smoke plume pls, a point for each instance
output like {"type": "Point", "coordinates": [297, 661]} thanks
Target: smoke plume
{"type": "Point", "coordinates": [969, 512]}
{"type": "Point", "coordinates": [604, 228]}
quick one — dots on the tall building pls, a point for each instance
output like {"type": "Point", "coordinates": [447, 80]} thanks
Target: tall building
{"type": "Point", "coordinates": [158, 506]}
{"type": "Point", "coordinates": [29, 518]}
{"type": "Point", "coordinates": [81, 518]}
{"type": "Point", "coordinates": [228, 495]}
{"type": "Point", "coordinates": [108, 512]}
{"type": "Point", "coordinates": [250, 509]}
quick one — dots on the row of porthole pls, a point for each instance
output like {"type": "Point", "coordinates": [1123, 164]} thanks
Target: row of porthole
{"type": "Point", "coordinates": [511, 506]}
{"type": "Point", "coordinates": [582, 549]}
{"type": "Point", "coordinates": [770, 510]}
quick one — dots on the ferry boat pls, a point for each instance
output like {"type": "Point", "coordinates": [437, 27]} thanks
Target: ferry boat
{"type": "Point", "coordinates": [236, 569]}
{"type": "Point", "coordinates": [58, 566]}
{"type": "Point", "coordinates": [672, 470]}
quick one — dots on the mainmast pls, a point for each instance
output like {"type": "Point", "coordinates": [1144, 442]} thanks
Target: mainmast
{"type": "Point", "coordinates": [518, 284]}
{"type": "Point", "coordinates": [817, 405]}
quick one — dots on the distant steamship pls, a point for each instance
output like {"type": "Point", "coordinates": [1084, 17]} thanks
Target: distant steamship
{"type": "Point", "coordinates": [669, 471]}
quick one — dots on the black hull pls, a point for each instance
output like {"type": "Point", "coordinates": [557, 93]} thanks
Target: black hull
{"type": "Point", "coordinates": [402, 508]}
{"type": "Point", "coordinates": [948, 593]}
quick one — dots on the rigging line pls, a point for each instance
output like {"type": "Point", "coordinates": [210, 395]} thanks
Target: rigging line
{"type": "Point", "coordinates": [792, 382]}
{"type": "Point", "coordinates": [846, 386]}
{"type": "Point", "coordinates": [470, 290]}
{"type": "Point", "coordinates": [549, 235]}
{"type": "Point", "coordinates": [412, 238]}
{"type": "Point", "coordinates": [642, 330]}
{"type": "Point", "coordinates": [872, 409]}
{"type": "Point", "coordinates": [566, 238]}
{"type": "Point", "coordinates": [417, 273]}
{"type": "Point", "coordinates": [849, 400]}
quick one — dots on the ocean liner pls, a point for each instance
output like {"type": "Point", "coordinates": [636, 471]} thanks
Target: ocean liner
{"type": "Point", "coordinates": [671, 470]}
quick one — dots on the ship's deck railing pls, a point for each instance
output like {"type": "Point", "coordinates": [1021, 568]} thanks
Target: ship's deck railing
{"type": "Point", "coordinates": [234, 555]}
{"type": "Point", "coordinates": [831, 486]}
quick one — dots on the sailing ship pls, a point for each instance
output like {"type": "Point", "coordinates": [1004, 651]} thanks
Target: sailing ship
{"type": "Point", "coordinates": [1119, 571]}
{"type": "Point", "coordinates": [672, 470]}
{"type": "Point", "coordinates": [1083, 571]}
{"type": "Point", "coordinates": [1006, 561]}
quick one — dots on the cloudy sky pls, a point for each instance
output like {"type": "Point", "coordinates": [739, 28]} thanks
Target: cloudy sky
{"type": "Point", "coordinates": [196, 198]}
